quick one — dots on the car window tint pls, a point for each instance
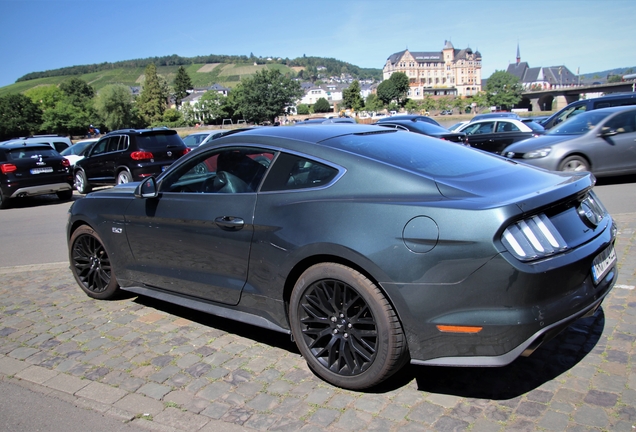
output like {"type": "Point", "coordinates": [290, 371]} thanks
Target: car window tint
{"type": "Point", "coordinates": [113, 144]}
{"type": "Point", "coordinates": [623, 123]}
{"type": "Point", "coordinates": [407, 152]}
{"type": "Point", "coordinates": [158, 141]}
{"type": "Point", "coordinates": [226, 170]}
{"type": "Point", "coordinates": [291, 172]}
{"type": "Point", "coordinates": [27, 153]}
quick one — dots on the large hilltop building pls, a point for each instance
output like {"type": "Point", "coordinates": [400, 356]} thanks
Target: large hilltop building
{"type": "Point", "coordinates": [452, 72]}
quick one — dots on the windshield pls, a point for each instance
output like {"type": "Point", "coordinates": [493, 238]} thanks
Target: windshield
{"type": "Point", "coordinates": [580, 124]}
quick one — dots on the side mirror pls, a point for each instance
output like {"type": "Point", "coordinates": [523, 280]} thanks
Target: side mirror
{"type": "Point", "coordinates": [147, 188]}
{"type": "Point", "coordinates": [606, 131]}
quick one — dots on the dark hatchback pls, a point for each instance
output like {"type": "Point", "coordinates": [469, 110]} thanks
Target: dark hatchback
{"type": "Point", "coordinates": [127, 155]}
{"type": "Point", "coordinates": [425, 128]}
{"type": "Point", "coordinates": [33, 169]}
{"type": "Point", "coordinates": [371, 246]}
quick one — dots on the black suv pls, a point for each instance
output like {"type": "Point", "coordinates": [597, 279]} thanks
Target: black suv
{"type": "Point", "coordinates": [127, 155]}
{"type": "Point", "coordinates": [33, 169]}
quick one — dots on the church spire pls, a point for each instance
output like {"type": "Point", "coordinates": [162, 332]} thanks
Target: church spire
{"type": "Point", "coordinates": [518, 54]}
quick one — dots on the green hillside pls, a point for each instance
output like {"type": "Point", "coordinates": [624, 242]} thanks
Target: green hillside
{"type": "Point", "coordinates": [202, 75]}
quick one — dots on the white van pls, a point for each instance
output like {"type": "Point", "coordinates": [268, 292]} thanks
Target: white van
{"type": "Point", "coordinates": [58, 142]}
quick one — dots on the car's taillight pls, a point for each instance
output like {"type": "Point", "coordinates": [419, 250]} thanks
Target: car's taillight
{"type": "Point", "coordinates": [186, 151]}
{"type": "Point", "coordinates": [533, 238]}
{"type": "Point", "coordinates": [8, 168]}
{"type": "Point", "coordinates": [141, 155]}
{"type": "Point", "coordinates": [66, 163]}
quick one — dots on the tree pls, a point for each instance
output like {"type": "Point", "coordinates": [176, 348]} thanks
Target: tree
{"type": "Point", "coordinates": [153, 99]}
{"type": "Point", "coordinates": [74, 112]}
{"type": "Point", "coordinates": [351, 97]}
{"type": "Point", "coordinates": [322, 106]}
{"type": "Point", "coordinates": [211, 106]}
{"type": "Point", "coordinates": [45, 96]}
{"type": "Point", "coordinates": [77, 91]}
{"type": "Point", "coordinates": [503, 90]}
{"type": "Point", "coordinates": [302, 109]}
{"type": "Point", "coordinates": [182, 83]}
{"type": "Point", "coordinates": [114, 105]}
{"type": "Point", "coordinates": [401, 83]}
{"type": "Point", "coordinates": [387, 92]}
{"type": "Point", "coordinates": [373, 103]}
{"type": "Point", "coordinates": [19, 116]}
{"type": "Point", "coordinates": [265, 95]}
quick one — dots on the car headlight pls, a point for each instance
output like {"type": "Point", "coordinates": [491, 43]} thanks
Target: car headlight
{"type": "Point", "coordinates": [539, 153]}
{"type": "Point", "coordinates": [533, 238]}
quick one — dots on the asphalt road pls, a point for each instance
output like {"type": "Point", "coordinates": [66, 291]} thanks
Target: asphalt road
{"type": "Point", "coordinates": [33, 230]}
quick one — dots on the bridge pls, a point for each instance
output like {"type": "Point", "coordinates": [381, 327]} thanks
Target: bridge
{"type": "Point", "coordinates": [545, 100]}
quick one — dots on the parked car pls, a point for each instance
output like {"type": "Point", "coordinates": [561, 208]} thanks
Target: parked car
{"type": "Point", "coordinates": [425, 128]}
{"type": "Point", "coordinates": [409, 117]}
{"type": "Point", "coordinates": [370, 246]}
{"type": "Point", "coordinates": [581, 106]}
{"type": "Point", "coordinates": [446, 112]}
{"type": "Point", "coordinates": [57, 142]}
{"type": "Point", "coordinates": [196, 139]}
{"type": "Point", "coordinates": [31, 170]}
{"type": "Point", "coordinates": [600, 141]}
{"type": "Point", "coordinates": [496, 134]}
{"type": "Point", "coordinates": [495, 115]}
{"type": "Point", "coordinates": [127, 155]}
{"type": "Point", "coordinates": [77, 150]}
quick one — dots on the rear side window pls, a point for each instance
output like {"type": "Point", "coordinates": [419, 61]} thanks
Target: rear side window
{"type": "Point", "coordinates": [291, 172]}
{"type": "Point", "coordinates": [59, 146]}
{"type": "Point", "coordinates": [158, 141]}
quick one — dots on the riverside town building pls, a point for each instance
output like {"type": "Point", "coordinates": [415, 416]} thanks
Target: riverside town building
{"type": "Point", "coordinates": [450, 72]}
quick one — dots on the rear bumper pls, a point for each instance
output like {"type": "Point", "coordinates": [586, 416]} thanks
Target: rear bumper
{"type": "Point", "coordinates": [40, 189]}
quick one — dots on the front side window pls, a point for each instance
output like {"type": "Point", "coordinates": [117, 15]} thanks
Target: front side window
{"type": "Point", "coordinates": [622, 123]}
{"type": "Point", "coordinates": [226, 170]}
{"type": "Point", "coordinates": [479, 128]}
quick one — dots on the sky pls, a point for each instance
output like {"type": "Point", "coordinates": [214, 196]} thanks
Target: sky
{"type": "Point", "coordinates": [585, 35]}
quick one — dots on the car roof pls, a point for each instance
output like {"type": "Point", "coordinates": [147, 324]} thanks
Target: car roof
{"type": "Point", "coordinates": [310, 133]}
{"type": "Point", "coordinates": [24, 145]}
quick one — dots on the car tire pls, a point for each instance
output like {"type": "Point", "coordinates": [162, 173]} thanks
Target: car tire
{"type": "Point", "coordinates": [91, 265]}
{"type": "Point", "coordinates": [124, 177]}
{"type": "Point", "coordinates": [65, 195]}
{"type": "Point", "coordinates": [574, 163]}
{"type": "Point", "coordinates": [4, 201]}
{"type": "Point", "coordinates": [345, 328]}
{"type": "Point", "coordinates": [81, 182]}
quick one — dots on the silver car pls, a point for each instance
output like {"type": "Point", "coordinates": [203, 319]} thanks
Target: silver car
{"type": "Point", "coordinates": [602, 141]}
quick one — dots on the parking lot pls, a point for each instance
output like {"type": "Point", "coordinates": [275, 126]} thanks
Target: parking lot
{"type": "Point", "coordinates": [162, 367]}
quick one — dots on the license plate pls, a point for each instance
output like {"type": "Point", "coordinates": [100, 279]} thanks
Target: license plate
{"type": "Point", "coordinates": [602, 263]}
{"type": "Point", "coordinates": [41, 170]}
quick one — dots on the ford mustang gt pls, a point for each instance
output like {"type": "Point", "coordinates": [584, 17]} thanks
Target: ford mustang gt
{"type": "Point", "coordinates": [372, 247]}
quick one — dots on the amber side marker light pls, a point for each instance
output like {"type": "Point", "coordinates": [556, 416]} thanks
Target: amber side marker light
{"type": "Point", "coordinates": [458, 329]}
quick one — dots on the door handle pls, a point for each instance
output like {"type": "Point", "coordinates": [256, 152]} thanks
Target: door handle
{"type": "Point", "coordinates": [229, 223]}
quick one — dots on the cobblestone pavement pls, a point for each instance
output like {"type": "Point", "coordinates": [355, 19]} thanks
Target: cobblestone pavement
{"type": "Point", "coordinates": [163, 367]}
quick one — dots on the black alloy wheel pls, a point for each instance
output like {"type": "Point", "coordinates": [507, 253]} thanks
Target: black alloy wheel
{"type": "Point", "coordinates": [91, 265]}
{"type": "Point", "coordinates": [345, 328]}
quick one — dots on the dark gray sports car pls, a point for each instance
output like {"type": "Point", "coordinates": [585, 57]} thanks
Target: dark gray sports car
{"type": "Point", "coordinates": [370, 246]}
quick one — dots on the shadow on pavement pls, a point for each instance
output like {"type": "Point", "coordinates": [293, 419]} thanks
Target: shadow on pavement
{"type": "Point", "coordinates": [616, 180]}
{"type": "Point", "coordinates": [500, 383]}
